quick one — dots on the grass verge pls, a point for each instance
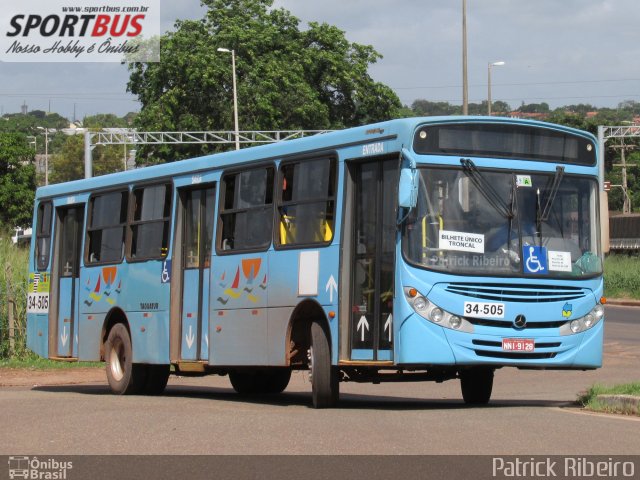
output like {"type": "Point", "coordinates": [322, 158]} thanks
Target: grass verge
{"type": "Point", "coordinates": [622, 276]}
{"type": "Point", "coordinates": [37, 363]}
{"type": "Point", "coordinates": [592, 400]}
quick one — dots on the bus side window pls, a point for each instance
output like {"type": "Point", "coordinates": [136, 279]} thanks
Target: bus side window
{"type": "Point", "coordinates": [106, 227]}
{"type": "Point", "coordinates": [151, 222]}
{"type": "Point", "coordinates": [306, 205]}
{"type": "Point", "coordinates": [246, 216]}
{"type": "Point", "coordinates": [43, 236]}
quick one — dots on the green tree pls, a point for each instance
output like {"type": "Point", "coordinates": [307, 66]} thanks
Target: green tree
{"type": "Point", "coordinates": [68, 162]}
{"type": "Point", "coordinates": [287, 78]}
{"type": "Point", "coordinates": [17, 180]}
{"type": "Point", "coordinates": [427, 108]}
{"type": "Point", "coordinates": [104, 120]}
{"type": "Point", "coordinates": [534, 108]}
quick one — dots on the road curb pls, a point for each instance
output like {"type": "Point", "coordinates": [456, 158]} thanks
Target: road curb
{"type": "Point", "coordinates": [629, 404]}
{"type": "Point", "coordinates": [623, 302]}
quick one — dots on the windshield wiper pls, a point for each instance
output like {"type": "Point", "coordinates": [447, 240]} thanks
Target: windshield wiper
{"type": "Point", "coordinates": [542, 214]}
{"type": "Point", "coordinates": [551, 193]}
{"type": "Point", "coordinates": [486, 189]}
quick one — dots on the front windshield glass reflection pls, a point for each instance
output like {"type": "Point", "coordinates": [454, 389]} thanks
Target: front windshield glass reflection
{"type": "Point", "coordinates": [504, 223]}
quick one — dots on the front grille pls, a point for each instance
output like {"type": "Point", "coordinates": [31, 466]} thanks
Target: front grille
{"type": "Point", "coordinates": [503, 292]}
{"type": "Point", "coordinates": [483, 322]}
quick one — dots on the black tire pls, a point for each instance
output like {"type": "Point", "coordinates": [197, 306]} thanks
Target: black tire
{"type": "Point", "coordinates": [276, 380]}
{"type": "Point", "coordinates": [325, 385]}
{"type": "Point", "coordinates": [124, 377]}
{"type": "Point", "coordinates": [256, 382]}
{"type": "Point", "coordinates": [244, 382]}
{"type": "Point", "coordinates": [157, 378]}
{"type": "Point", "coordinates": [476, 384]}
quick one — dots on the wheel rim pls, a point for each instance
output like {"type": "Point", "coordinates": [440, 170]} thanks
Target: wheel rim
{"type": "Point", "coordinates": [310, 357]}
{"type": "Point", "coordinates": [116, 361]}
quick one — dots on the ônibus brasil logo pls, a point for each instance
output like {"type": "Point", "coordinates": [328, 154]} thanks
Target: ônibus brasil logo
{"type": "Point", "coordinates": [41, 469]}
{"type": "Point", "coordinates": [80, 31]}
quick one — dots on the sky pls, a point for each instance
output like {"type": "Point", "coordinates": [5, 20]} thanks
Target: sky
{"type": "Point", "coordinates": [559, 52]}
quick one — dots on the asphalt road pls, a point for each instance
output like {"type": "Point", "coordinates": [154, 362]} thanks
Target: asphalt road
{"type": "Point", "coordinates": [531, 413]}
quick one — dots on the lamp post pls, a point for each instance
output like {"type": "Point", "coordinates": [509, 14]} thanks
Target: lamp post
{"type": "Point", "coordinates": [465, 83]}
{"type": "Point", "coordinates": [46, 152]}
{"type": "Point", "coordinates": [491, 64]}
{"type": "Point", "coordinates": [235, 94]}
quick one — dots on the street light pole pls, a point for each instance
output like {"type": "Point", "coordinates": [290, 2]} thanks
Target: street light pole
{"type": "Point", "coordinates": [46, 153]}
{"type": "Point", "coordinates": [491, 64]}
{"type": "Point", "coordinates": [465, 83]}
{"type": "Point", "coordinates": [235, 94]}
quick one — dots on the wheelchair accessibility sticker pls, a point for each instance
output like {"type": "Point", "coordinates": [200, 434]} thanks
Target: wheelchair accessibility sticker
{"type": "Point", "coordinates": [535, 259]}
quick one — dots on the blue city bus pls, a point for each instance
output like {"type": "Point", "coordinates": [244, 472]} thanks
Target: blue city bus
{"type": "Point", "coordinates": [415, 249]}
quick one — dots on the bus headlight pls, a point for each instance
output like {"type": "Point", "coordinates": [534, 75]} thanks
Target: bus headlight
{"type": "Point", "coordinates": [434, 314]}
{"type": "Point", "coordinates": [455, 322]}
{"type": "Point", "coordinates": [598, 312]}
{"type": "Point", "coordinates": [420, 303]}
{"type": "Point", "coordinates": [588, 320]}
{"type": "Point", "coordinates": [582, 324]}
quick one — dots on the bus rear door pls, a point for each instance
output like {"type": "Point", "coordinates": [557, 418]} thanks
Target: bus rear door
{"type": "Point", "coordinates": [197, 239]}
{"type": "Point", "coordinates": [66, 272]}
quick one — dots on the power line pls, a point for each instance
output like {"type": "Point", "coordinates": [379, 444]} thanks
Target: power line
{"type": "Point", "coordinates": [571, 82]}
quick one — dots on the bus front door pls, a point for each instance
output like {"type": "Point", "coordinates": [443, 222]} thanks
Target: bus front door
{"type": "Point", "coordinates": [372, 259]}
{"type": "Point", "coordinates": [197, 241]}
{"type": "Point", "coordinates": [66, 276]}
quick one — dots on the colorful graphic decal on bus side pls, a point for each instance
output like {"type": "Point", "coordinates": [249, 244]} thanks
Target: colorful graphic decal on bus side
{"type": "Point", "coordinates": [567, 310]}
{"type": "Point", "coordinates": [38, 292]}
{"type": "Point", "coordinates": [39, 282]}
{"type": "Point", "coordinates": [104, 287]}
{"type": "Point", "coordinates": [251, 271]}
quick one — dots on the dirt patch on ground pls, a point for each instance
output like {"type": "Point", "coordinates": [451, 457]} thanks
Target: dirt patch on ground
{"type": "Point", "coordinates": [24, 377]}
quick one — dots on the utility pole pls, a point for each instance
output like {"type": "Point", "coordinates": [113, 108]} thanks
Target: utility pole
{"type": "Point", "coordinates": [465, 83]}
{"type": "Point", "coordinates": [626, 202]}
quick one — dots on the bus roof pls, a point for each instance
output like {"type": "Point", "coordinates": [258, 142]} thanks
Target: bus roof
{"type": "Point", "coordinates": [323, 142]}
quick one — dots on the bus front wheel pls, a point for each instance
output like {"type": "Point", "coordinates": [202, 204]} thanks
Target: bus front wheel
{"type": "Point", "coordinates": [325, 385]}
{"type": "Point", "coordinates": [157, 378]}
{"type": "Point", "coordinates": [124, 377]}
{"type": "Point", "coordinates": [476, 384]}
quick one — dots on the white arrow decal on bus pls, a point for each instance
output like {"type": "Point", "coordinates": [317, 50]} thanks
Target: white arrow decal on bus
{"type": "Point", "coordinates": [330, 287]}
{"type": "Point", "coordinates": [364, 324]}
{"type": "Point", "coordinates": [190, 338]}
{"type": "Point", "coordinates": [64, 337]}
{"type": "Point", "coordinates": [387, 325]}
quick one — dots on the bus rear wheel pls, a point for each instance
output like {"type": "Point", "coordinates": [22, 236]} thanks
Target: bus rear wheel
{"type": "Point", "coordinates": [325, 384]}
{"type": "Point", "coordinates": [476, 384]}
{"type": "Point", "coordinates": [124, 377]}
{"type": "Point", "coordinates": [270, 381]}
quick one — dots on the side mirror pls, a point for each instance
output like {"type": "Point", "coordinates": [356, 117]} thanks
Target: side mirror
{"type": "Point", "coordinates": [408, 184]}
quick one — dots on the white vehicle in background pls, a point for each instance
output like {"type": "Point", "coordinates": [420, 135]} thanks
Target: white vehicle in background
{"type": "Point", "coordinates": [22, 236]}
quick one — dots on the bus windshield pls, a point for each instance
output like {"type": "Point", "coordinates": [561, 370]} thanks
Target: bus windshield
{"type": "Point", "coordinates": [488, 222]}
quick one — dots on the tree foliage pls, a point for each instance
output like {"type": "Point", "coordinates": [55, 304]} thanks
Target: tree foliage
{"type": "Point", "coordinates": [287, 78]}
{"type": "Point", "coordinates": [17, 180]}
{"type": "Point", "coordinates": [68, 162]}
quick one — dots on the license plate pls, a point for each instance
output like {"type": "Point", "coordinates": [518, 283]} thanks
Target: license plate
{"type": "Point", "coordinates": [483, 310]}
{"type": "Point", "coordinates": [518, 344]}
